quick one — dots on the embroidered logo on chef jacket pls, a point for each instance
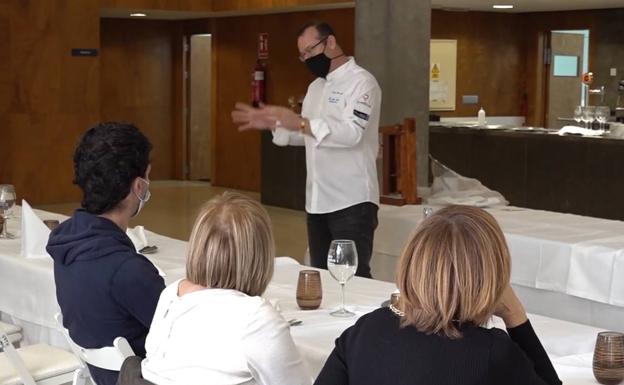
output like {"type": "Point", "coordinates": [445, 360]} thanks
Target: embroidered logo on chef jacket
{"type": "Point", "coordinates": [362, 110]}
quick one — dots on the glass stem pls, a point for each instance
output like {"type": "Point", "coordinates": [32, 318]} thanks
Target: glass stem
{"type": "Point", "coordinates": [342, 292]}
{"type": "Point", "coordinates": [4, 227]}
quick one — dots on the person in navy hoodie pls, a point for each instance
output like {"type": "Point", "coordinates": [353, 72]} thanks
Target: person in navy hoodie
{"type": "Point", "coordinates": [104, 287]}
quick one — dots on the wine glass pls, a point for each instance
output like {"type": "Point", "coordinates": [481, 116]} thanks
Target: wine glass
{"type": "Point", "coordinates": [7, 201]}
{"type": "Point", "coordinates": [342, 261]}
{"type": "Point", "coordinates": [602, 114]}
{"type": "Point", "coordinates": [578, 114]}
{"type": "Point", "coordinates": [588, 115]}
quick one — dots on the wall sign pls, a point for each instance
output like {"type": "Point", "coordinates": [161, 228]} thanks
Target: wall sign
{"type": "Point", "coordinates": [442, 75]}
{"type": "Point", "coordinates": [84, 52]}
{"type": "Point", "coordinates": [263, 45]}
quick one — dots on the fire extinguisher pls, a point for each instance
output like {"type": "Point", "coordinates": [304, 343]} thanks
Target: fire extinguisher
{"type": "Point", "coordinates": [258, 84]}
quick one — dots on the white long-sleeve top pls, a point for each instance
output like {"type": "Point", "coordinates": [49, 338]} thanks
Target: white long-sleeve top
{"type": "Point", "coordinates": [220, 337]}
{"type": "Point", "coordinates": [343, 110]}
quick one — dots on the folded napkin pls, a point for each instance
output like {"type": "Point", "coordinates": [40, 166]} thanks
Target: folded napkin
{"type": "Point", "coordinates": [138, 237]}
{"type": "Point", "coordinates": [35, 234]}
{"type": "Point", "coordinates": [579, 130]}
{"type": "Point", "coordinates": [616, 130]}
{"type": "Point", "coordinates": [139, 240]}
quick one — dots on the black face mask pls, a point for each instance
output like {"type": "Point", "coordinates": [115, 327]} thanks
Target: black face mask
{"type": "Point", "coordinates": [319, 65]}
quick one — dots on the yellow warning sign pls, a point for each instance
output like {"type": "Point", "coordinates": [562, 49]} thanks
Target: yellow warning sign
{"type": "Point", "coordinates": [435, 71]}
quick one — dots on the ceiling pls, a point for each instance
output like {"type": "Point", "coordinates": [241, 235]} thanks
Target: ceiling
{"type": "Point", "coordinates": [451, 5]}
{"type": "Point", "coordinates": [181, 15]}
{"type": "Point", "coordinates": [527, 5]}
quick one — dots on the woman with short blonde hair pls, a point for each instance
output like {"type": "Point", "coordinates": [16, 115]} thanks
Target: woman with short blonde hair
{"type": "Point", "coordinates": [231, 246]}
{"type": "Point", "coordinates": [213, 327]}
{"type": "Point", "coordinates": [453, 271]}
{"type": "Point", "coordinates": [453, 276]}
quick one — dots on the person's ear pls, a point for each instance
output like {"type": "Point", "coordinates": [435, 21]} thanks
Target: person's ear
{"type": "Point", "coordinates": [137, 187]}
{"type": "Point", "coordinates": [331, 42]}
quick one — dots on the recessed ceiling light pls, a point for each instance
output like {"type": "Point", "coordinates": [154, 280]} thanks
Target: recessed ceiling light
{"type": "Point", "coordinates": [503, 6]}
{"type": "Point", "coordinates": [138, 14]}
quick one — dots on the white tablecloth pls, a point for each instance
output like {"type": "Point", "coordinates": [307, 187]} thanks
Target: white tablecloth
{"type": "Point", "coordinates": [569, 345]}
{"type": "Point", "coordinates": [565, 253]}
{"type": "Point", "coordinates": [28, 296]}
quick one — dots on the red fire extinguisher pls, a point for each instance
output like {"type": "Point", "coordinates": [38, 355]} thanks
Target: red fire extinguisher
{"type": "Point", "coordinates": [258, 84]}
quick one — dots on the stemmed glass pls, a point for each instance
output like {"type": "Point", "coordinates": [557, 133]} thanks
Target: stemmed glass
{"type": "Point", "coordinates": [7, 201]}
{"type": "Point", "coordinates": [588, 115]}
{"type": "Point", "coordinates": [602, 115]}
{"type": "Point", "coordinates": [578, 114]}
{"type": "Point", "coordinates": [342, 261]}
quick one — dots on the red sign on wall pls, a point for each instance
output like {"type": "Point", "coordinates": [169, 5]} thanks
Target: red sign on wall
{"type": "Point", "coordinates": [263, 45]}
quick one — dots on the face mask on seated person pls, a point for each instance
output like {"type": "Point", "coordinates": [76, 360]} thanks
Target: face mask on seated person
{"type": "Point", "coordinates": [144, 200]}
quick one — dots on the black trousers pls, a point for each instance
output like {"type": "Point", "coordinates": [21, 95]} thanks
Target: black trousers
{"type": "Point", "coordinates": [357, 223]}
{"type": "Point", "coordinates": [103, 376]}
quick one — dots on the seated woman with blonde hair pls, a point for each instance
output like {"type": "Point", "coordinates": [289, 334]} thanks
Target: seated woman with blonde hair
{"type": "Point", "coordinates": [453, 276]}
{"type": "Point", "coordinates": [213, 327]}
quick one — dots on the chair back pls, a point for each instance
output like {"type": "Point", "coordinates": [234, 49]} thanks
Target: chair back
{"type": "Point", "coordinates": [11, 353]}
{"type": "Point", "coordinates": [109, 357]}
{"type": "Point", "coordinates": [399, 164]}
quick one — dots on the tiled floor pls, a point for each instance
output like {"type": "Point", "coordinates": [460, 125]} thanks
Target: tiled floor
{"type": "Point", "coordinates": [172, 208]}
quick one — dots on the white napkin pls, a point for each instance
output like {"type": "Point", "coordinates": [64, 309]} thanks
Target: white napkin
{"type": "Point", "coordinates": [35, 234]}
{"type": "Point", "coordinates": [138, 237]}
{"type": "Point", "coordinates": [139, 240]}
{"type": "Point", "coordinates": [616, 130]}
{"type": "Point", "coordinates": [579, 130]}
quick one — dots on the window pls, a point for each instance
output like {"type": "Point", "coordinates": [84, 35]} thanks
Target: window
{"type": "Point", "coordinates": [565, 65]}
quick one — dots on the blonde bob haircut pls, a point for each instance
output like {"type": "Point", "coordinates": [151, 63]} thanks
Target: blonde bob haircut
{"type": "Point", "coordinates": [453, 271]}
{"type": "Point", "coordinates": [231, 245]}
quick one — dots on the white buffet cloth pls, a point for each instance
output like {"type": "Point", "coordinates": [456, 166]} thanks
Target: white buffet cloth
{"type": "Point", "coordinates": [27, 287]}
{"type": "Point", "coordinates": [571, 254]}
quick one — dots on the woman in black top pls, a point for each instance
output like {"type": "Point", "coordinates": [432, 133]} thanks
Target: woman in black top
{"type": "Point", "coordinates": [453, 276]}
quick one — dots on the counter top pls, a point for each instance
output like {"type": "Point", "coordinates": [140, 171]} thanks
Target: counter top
{"type": "Point", "coordinates": [499, 129]}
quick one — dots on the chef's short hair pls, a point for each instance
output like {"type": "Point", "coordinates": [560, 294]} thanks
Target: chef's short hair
{"type": "Point", "coordinates": [323, 28]}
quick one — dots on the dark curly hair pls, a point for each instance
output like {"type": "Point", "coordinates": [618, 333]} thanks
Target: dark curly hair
{"type": "Point", "coordinates": [107, 159]}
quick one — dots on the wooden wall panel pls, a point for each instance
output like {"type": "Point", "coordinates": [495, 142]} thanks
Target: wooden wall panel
{"type": "Point", "coordinates": [137, 83]}
{"type": "Point", "coordinates": [606, 43]}
{"type": "Point", "coordinates": [265, 5]}
{"type": "Point", "coordinates": [235, 43]}
{"type": "Point", "coordinates": [47, 97]}
{"type": "Point", "coordinates": [538, 26]}
{"type": "Point", "coordinates": [221, 5]}
{"type": "Point", "coordinates": [490, 59]}
{"type": "Point", "coordinates": [608, 53]}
